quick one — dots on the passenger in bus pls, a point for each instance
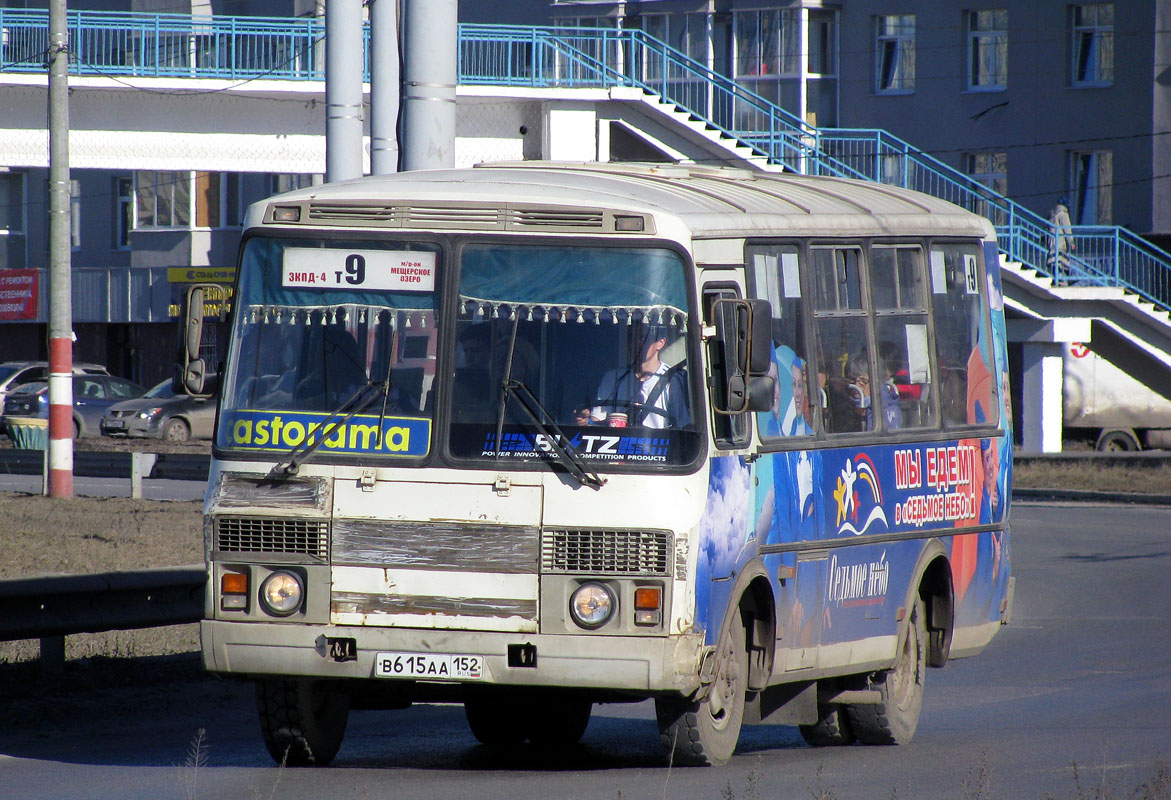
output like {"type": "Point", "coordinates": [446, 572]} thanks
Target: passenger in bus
{"type": "Point", "coordinates": [858, 373]}
{"type": "Point", "coordinates": [480, 366]}
{"type": "Point", "coordinates": [646, 392]}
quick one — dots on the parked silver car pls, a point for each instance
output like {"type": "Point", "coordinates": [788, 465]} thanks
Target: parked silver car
{"type": "Point", "coordinates": [92, 395]}
{"type": "Point", "coordinates": [18, 373]}
{"type": "Point", "coordinates": [162, 414]}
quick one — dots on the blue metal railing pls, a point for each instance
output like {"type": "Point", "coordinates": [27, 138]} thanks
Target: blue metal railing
{"type": "Point", "coordinates": [169, 45]}
{"type": "Point", "coordinates": [246, 48]}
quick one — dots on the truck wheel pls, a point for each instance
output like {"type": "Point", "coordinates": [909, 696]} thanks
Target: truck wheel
{"type": "Point", "coordinates": [894, 718]}
{"type": "Point", "coordinates": [175, 430]}
{"type": "Point", "coordinates": [831, 730]}
{"type": "Point", "coordinates": [303, 721]}
{"type": "Point", "coordinates": [705, 733]}
{"type": "Point", "coordinates": [1116, 442]}
{"type": "Point", "coordinates": [496, 723]}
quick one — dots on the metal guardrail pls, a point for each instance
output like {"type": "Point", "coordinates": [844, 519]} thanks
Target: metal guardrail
{"type": "Point", "coordinates": [90, 464]}
{"type": "Point", "coordinates": [59, 605]}
{"type": "Point", "coordinates": [228, 47]}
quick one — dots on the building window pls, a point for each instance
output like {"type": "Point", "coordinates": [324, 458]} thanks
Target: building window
{"type": "Point", "coordinates": [991, 170]}
{"type": "Point", "coordinates": [1093, 44]}
{"type": "Point", "coordinates": [11, 203]}
{"type": "Point", "coordinates": [280, 183]}
{"type": "Point", "coordinates": [988, 49]}
{"type": "Point", "coordinates": [822, 58]}
{"type": "Point", "coordinates": [1091, 176]}
{"type": "Point", "coordinates": [767, 42]}
{"type": "Point", "coordinates": [894, 52]}
{"type": "Point", "coordinates": [124, 212]}
{"type": "Point", "coordinates": [162, 199]}
{"type": "Point", "coordinates": [208, 197]}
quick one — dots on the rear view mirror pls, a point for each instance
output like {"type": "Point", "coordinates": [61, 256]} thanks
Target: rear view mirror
{"type": "Point", "coordinates": [744, 333]}
{"type": "Point", "coordinates": [200, 302]}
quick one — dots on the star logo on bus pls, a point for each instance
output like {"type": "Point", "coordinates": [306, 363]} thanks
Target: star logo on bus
{"type": "Point", "coordinates": [858, 487]}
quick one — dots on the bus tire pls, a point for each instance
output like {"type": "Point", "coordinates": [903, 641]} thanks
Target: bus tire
{"type": "Point", "coordinates": [894, 718]}
{"type": "Point", "coordinates": [556, 724]}
{"type": "Point", "coordinates": [705, 733]}
{"type": "Point", "coordinates": [832, 728]}
{"type": "Point", "coordinates": [496, 723]}
{"type": "Point", "coordinates": [303, 721]}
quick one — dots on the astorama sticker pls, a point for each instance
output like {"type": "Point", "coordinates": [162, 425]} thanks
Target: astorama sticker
{"type": "Point", "coordinates": [284, 430]}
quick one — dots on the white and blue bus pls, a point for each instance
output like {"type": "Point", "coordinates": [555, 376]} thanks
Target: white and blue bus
{"type": "Point", "coordinates": [536, 436]}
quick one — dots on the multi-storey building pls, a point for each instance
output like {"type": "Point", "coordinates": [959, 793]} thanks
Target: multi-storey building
{"type": "Point", "coordinates": [1036, 100]}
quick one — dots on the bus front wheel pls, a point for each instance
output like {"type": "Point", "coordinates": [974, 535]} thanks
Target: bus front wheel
{"type": "Point", "coordinates": [705, 733]}
{"type": "Point", "coordinates": [893, 719]}
{"type": "Point", "coordinates": [303, 721]}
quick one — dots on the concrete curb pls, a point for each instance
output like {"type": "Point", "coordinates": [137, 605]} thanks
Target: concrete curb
{"type": "Point", "coordinates": [1090, 496]}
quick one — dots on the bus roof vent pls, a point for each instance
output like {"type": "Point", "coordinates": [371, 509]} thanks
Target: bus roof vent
{"type": "Point", "coordinates": [451, 217]}
{"type": "Point", "coordinates": [560, 219]}
{"type": "Point", "coordinates": [351, 212]}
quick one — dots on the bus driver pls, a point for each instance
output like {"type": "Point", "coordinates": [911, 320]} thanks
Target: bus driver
{"type": "Point", "coordinates": [648, 392]}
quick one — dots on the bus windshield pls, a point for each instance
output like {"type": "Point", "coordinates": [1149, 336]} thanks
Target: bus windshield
{"type": "Point", "coordinates": [319, 324]}
{"type": "Point", "coordinates": [590, 339]}
{"type": "Point", "coordinates": [591, 342]}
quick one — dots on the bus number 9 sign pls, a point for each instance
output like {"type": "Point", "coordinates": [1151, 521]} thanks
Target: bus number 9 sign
{"type": "Point", "coordinates": [378, 270]}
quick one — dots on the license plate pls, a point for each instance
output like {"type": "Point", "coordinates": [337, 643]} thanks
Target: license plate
{"type": "Point", "coordinates": [437, 666]}
{"type": "Point", "coordinates": [115, 423]}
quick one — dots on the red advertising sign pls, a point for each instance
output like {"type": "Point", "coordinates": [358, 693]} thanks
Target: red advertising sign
{"type": "Point", "coordinates": [18, 293]}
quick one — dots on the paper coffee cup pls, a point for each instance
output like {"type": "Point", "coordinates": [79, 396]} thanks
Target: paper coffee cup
{"type": "Point", "coordinates": [616, 420]}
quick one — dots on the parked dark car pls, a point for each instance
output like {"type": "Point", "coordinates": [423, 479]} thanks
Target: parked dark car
{"type": "Point", "coordinates": [162, 414]}
{"type": "Point", "coordinates": [18, 373]}
{"type": "Point", "coordinates": [92, 395]}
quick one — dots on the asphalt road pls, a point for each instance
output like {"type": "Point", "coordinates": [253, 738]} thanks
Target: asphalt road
{"type": "Point", "coordinates": [1083, 675]}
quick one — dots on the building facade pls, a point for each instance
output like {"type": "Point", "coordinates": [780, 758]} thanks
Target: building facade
{"type": "Point", "coordinates": [1037, 99]}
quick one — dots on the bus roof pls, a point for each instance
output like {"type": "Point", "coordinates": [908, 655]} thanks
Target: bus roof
{"type": "Point", "coordinates": [562, 197]}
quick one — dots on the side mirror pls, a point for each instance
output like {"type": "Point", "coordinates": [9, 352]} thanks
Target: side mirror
{"type": "Point", "coordinates": [744, 333]}
{"type": "Point", "coordinates": [191, 370]}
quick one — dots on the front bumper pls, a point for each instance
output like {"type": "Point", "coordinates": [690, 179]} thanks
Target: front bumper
{"type": "Point", "coordinates": [133, 428]}
{"type": "Point", "coordinates": [628, 664]}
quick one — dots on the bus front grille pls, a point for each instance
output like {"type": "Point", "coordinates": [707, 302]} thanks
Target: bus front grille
{"type": "Point", "coordinates": [273, 535]}
{"type": "Point", "coordinates": [607, 552]}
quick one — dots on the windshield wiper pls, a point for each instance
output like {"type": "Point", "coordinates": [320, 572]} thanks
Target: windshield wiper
{"type": "Point", "coordinates": [536, 413]}
{"type": "Point", "coordinates": [552, 432]}
{"type": "Point", "coordinates": [350, 407]}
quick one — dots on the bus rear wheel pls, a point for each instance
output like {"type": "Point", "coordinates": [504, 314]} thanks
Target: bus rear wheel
{"type": "Point", "coordinates": [495, 723]}
{"type": "Point", "coordinates": [831, 730]}
{"type": "Point", "coordinates": [893, 719]}
{"type": "Point", "coordinates": [546, 722]}
{"type": "Point", "coordinates": [303, 721]}
{"type": "Point", "coordinates": [705, 733]}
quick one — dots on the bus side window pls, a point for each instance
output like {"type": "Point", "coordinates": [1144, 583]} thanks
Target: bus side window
{"type": "Point", "coordinates": [731, 430]}
{"type": "Point", "coordinates": [968, 393]}
{"type": "Point", "coordinates": [902, 331]}
{"type": "Point", "coordinates": [776, 277]}
{"type": "Point", "coordinates": [843, 361]}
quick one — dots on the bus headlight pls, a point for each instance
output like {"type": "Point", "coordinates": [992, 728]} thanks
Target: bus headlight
{"type": "Point", "coordinates": [591, 605]}
{"type": "Point", "coordinates": [281, 593]}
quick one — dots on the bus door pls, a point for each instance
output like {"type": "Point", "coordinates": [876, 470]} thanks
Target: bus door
{"type": "Point", "coordinates": [788, 471]}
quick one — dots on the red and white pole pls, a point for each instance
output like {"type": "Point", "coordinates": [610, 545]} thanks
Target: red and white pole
{"type": "Point", "coordinates": [60, 279]}
{"type": "Point", "coordinates": [61, 417]}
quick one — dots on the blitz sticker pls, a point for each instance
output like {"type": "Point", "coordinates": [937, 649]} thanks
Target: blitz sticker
{"type": "Point", "coordinates": [377, 270]}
